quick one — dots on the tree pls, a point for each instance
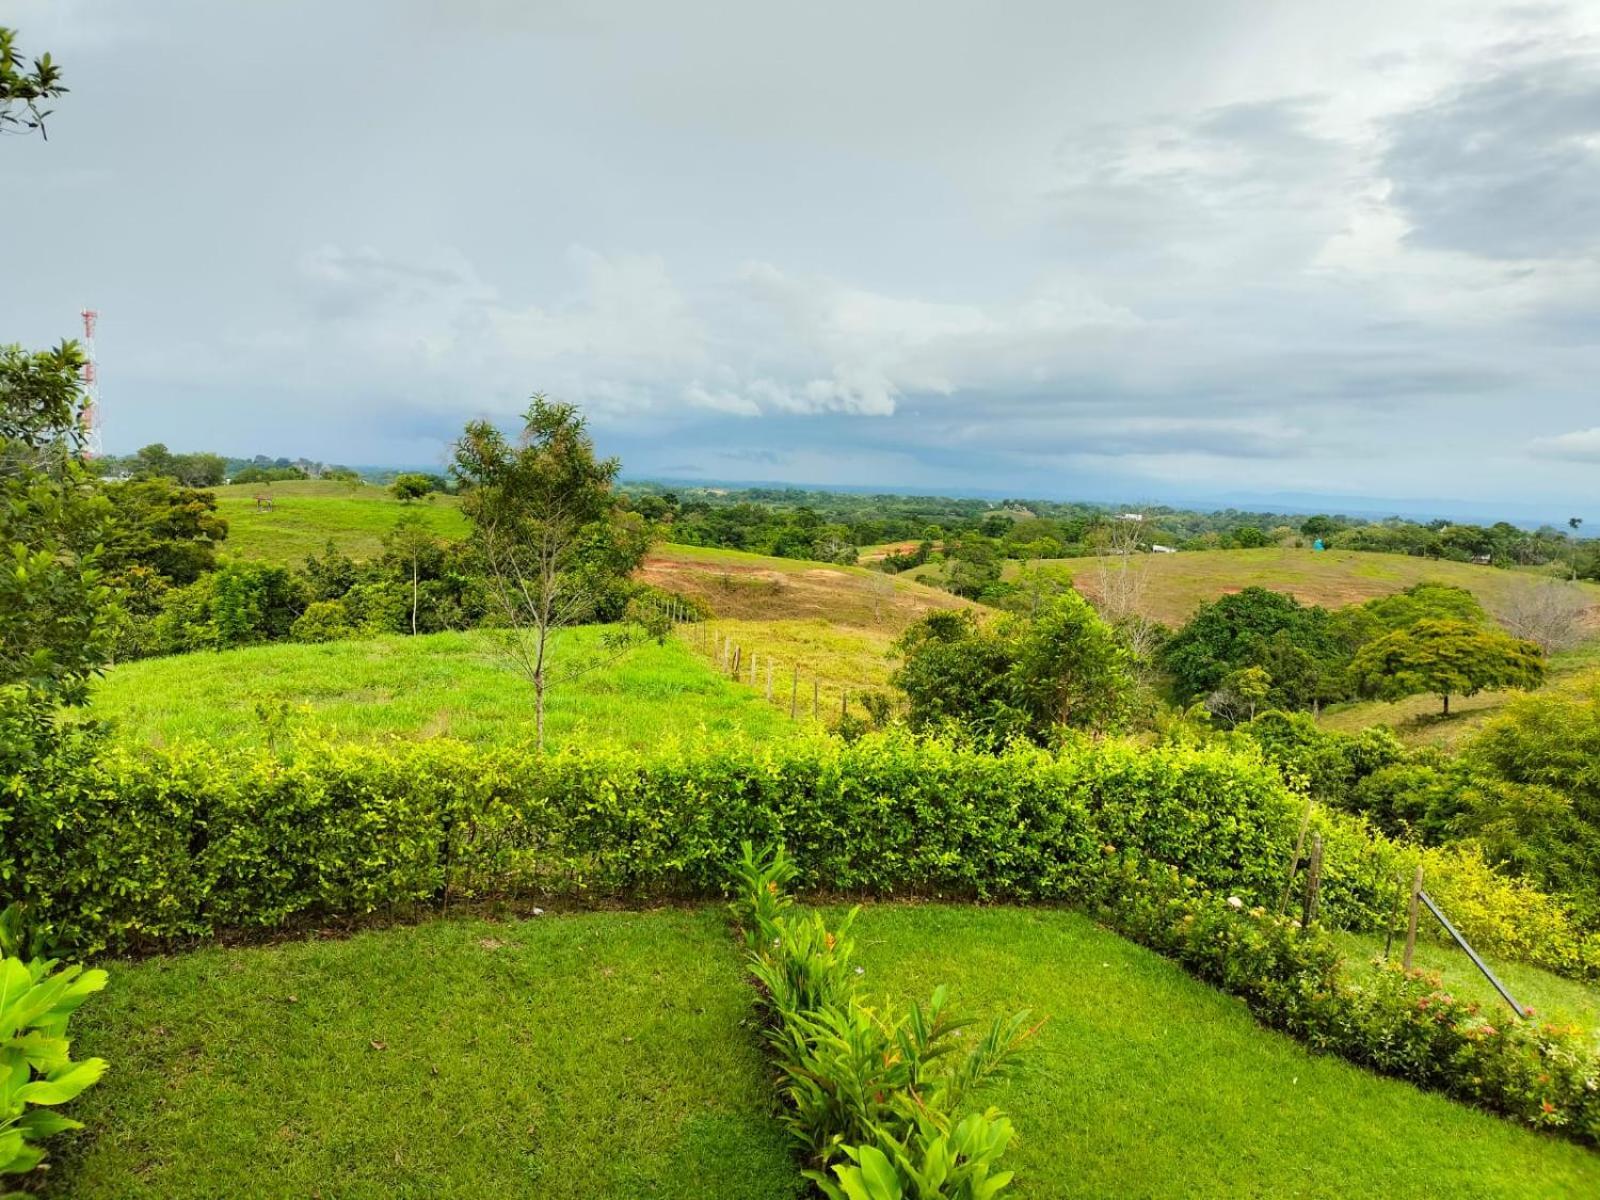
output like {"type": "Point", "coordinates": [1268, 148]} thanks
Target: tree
{"type": "Point", "coordinates": [411, 486]}
{"type": "Point", "coordinates": [57, 616]}
{"type": "Point", "coordinates": [1445, 658]}
{"type": "Point", "coordinates": [1574, 524]}
{"type": "Point", "coordinates": [1298, 645]}
{"type": "Point", "coordinates": [1319, 527]}
{"type": "Point", "coordinates": [548, 528]}
{"type": "Point", "coordinates": [1063, 669]}
{"type": "Point", "coordinates": [173, 530]}
{"type": "Point", "coordinates": [1549, 613]}
{"type": "Point", "coordinates": [411, 543]}
{"type": "Point", "coordinates": [24, 89]}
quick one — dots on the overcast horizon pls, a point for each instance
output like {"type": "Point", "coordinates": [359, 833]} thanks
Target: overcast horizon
{"type": "Point", "coordinates": [1162, 250]}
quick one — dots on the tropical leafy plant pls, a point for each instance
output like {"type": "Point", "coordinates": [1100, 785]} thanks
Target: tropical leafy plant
{"type": "Point", "coordinates": [878, 1098]}
{"type": "Point", "coordinates": [37, 1073]}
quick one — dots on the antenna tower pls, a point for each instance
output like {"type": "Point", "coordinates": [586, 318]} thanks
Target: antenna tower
{"type": "Point", "coordinates": [91, 388]}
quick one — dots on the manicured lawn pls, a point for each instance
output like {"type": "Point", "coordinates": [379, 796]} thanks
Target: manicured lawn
{"type": "Point", "coordinates": [609, 1055]}
{"type": "Point", "coordinates": [587, 1055]}
{"type": "Point", "coordinates": [446, 684]}
{"type": "Point", "coordinates": [307, 513]}
{"type": "Point", "coordinates": [1147, 1083]}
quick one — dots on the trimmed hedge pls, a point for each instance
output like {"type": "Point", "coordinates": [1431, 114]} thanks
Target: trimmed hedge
{"type": "Point", "coordinates": [1402, 1023]}
{"type": "Point", "coordinates": [116, 847]}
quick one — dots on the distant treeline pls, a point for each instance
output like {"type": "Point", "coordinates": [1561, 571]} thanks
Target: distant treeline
{"type": "Point", "coordinates": [979, 534]}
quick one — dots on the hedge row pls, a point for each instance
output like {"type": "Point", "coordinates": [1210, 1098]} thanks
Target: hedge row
{"type": "Point", "coordinates": [1402, 1023]}
{"type": "Point", "coordinates": [117, 847]}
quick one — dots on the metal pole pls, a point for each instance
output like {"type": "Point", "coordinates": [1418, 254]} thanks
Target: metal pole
{"type": "Point", "coordinates": [1471, 953]}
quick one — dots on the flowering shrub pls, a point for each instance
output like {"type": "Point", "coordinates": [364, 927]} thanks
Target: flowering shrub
{"type": "Point", "coordinates": [1399, 1022]}
{"type": "Point", "coordinates": [875, 1098]}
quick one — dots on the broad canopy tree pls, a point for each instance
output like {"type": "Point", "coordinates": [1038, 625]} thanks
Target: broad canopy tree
{"type": "Point", "coordinates": [1445, 658]}
{"type": "Point", "coordinates": [546, 522]}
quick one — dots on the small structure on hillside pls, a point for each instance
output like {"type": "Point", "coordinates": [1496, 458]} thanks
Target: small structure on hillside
{"type": "Point", "coordinates": [263, 503]}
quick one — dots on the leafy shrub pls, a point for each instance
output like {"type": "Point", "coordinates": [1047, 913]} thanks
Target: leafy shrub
{"type": "Point", "coordinates": [1399, 1022]}
{"type": "Point", "coordinates": [323, 621]}
{"type": "Point", "coordinates": [876, 1098]}
{"type": "Point", "coordinates": [237, 605]}
{"type": "Point", "coordinates": [37, 998]}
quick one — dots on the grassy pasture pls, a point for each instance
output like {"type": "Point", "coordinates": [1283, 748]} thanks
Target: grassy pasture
{"type": "Point", "coordinates": [445, 684]}
{"type": "Point", "coordinates": [607, 1055]}
{"type": "Point", "coordinates": [1176, 584]}
{"type": "Point", "coordinates": [306, 513]}
{"type": "Point", "coordinates": [756, 587]}
{"type": "Point", "coordinates": [840, 659]}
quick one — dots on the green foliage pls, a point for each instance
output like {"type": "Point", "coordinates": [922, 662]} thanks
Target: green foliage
{"type": "Point", "coordinates": [1063, 668]}
{"type": "Point", "coordinates": [410, 487]}
{"type": "Point", "coordinates": [24, 89]}
{"type": "Point", "coordinates": [37, 998]}
{"type": "Point", "coordinates": [323, 621]}
{"type": "Point", "coordinates": [172, 530]}
{"type": "Point", "coordinates": [155, 461]}
{"type": "Point", "coordinates": [240, 604]}
{"type": "Point", "coordinates": [58, 618]}
{"type": "Point", "coordinates": [876, 1097]}
{"type": "Point", "coordinates": [1329, 765]}
{"type": "Point", "coordinates": [1534, 801]}
{"type": "Point", "coordinates": [1445, 658]}
{"type": "Point", "coordinates": [1296, 645]}
{"type": "Point", "coordinates": [1398, 1022]}
{"type": "Point", "coordinates": [254, 474]}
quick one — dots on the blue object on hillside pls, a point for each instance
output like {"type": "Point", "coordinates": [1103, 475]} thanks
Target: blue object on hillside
{"type": "Point", "coordinates": [1317, 545]}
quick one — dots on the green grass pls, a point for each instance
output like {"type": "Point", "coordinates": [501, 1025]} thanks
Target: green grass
{"type": "Point", "coordinates": [609, 1055]}
{"type": "Point", "coordinates": [1147, 1083]}
{"type": "Point", "coordinates": [306, 514]}
{"type": "Point", "coordinates": [1552, 997]}
{"type": "Point", "coordinates": [1176, 584]}
{"type": "Point", "coordinates": [837, 659]}
{"type": "Point", "coordinates": [584, 1056]}
{"type": "Point", "coordinates": [445, 684]}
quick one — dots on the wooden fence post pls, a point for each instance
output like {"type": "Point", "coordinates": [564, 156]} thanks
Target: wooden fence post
{"type": "Point", "coordinates": [794, 693]}
{"type": "Point", "coordinates": [1294, 859]}
{"type": "Point", "coordinates": [844, 705]}
{"type": "Point", "coordinates": [769, 680]}
{"type": "Point", "coordinates": [1411, 924]}
{"type": "Point", "coordinates": [816, 699]}
{"type": "Point", "coordinates": [1313, 883]}
{"type": "Point", "coordinates": [738, 652]}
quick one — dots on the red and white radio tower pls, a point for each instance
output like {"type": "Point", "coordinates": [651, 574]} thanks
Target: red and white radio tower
{"type": "Point", "coordinates": [91, 388]}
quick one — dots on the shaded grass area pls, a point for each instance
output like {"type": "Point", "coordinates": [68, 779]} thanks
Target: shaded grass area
{"type": "Point", "coordinates": [444, 684]}
{"type": "Point", "coordinates": [1146, 1082]}
{"type": "Point", "coordinates": [306, 514]}
{"type": "Point", "coordinates": [583, 1055]}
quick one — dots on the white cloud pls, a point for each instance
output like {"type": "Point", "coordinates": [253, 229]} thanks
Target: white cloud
{"type": "Point", "coordinates": [1580, 445]}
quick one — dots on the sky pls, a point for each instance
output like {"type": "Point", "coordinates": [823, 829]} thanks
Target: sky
{"type": "Point", "coordinates": [1153, 251]}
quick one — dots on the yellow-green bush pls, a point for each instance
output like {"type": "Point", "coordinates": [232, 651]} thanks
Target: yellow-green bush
{"type": "Point", "coordinates": [120, 846]}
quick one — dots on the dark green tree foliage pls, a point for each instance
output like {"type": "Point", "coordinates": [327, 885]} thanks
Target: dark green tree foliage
{"type": "Point", "coordinates": [172, 530]}
{"type": "Point", "coordinates": [254, 474]}
{"type": "Point", "coordinates": [1330, 765]}
{"type": "Point", "coordinates": [1296, 644]}
{"type": "Point", "coordinates": [411, 486]}
{"type": "Point", "coordinates": [1535, 795]}
{"type": "Point", "coordinates": [1445, 658]}
{"type": "Point", "coordinates": [237, 605]}
{"type": "Point", "coordinates": [57, 615]}
{"type": "Point", "coordinates": [155, 461]}
{"type": "Point", "coordinates": [547, 527]}
{"type": "Point", "coordinates": [1064, 668]}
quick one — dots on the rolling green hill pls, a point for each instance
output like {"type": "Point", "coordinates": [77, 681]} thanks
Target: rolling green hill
{"type": "Point", "coordinates": [306, 514]}
{"type": "Point", "coordinates": [1176, 584]}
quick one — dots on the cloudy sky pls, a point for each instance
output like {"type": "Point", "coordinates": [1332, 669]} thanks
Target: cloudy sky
{"type": "Point", "coordinates": [1155, 250]}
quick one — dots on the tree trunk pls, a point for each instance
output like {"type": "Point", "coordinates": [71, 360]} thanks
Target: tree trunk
{"type": "Point", "coordinates": [1447, 704]}
{"type": "Point", "coordinates": [413, 597]}
{"type": "Point", "coordinates": [538, 709]}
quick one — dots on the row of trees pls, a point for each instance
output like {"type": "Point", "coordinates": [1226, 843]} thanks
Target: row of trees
{"type": "Point", "coordinates": [1260, 649]}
